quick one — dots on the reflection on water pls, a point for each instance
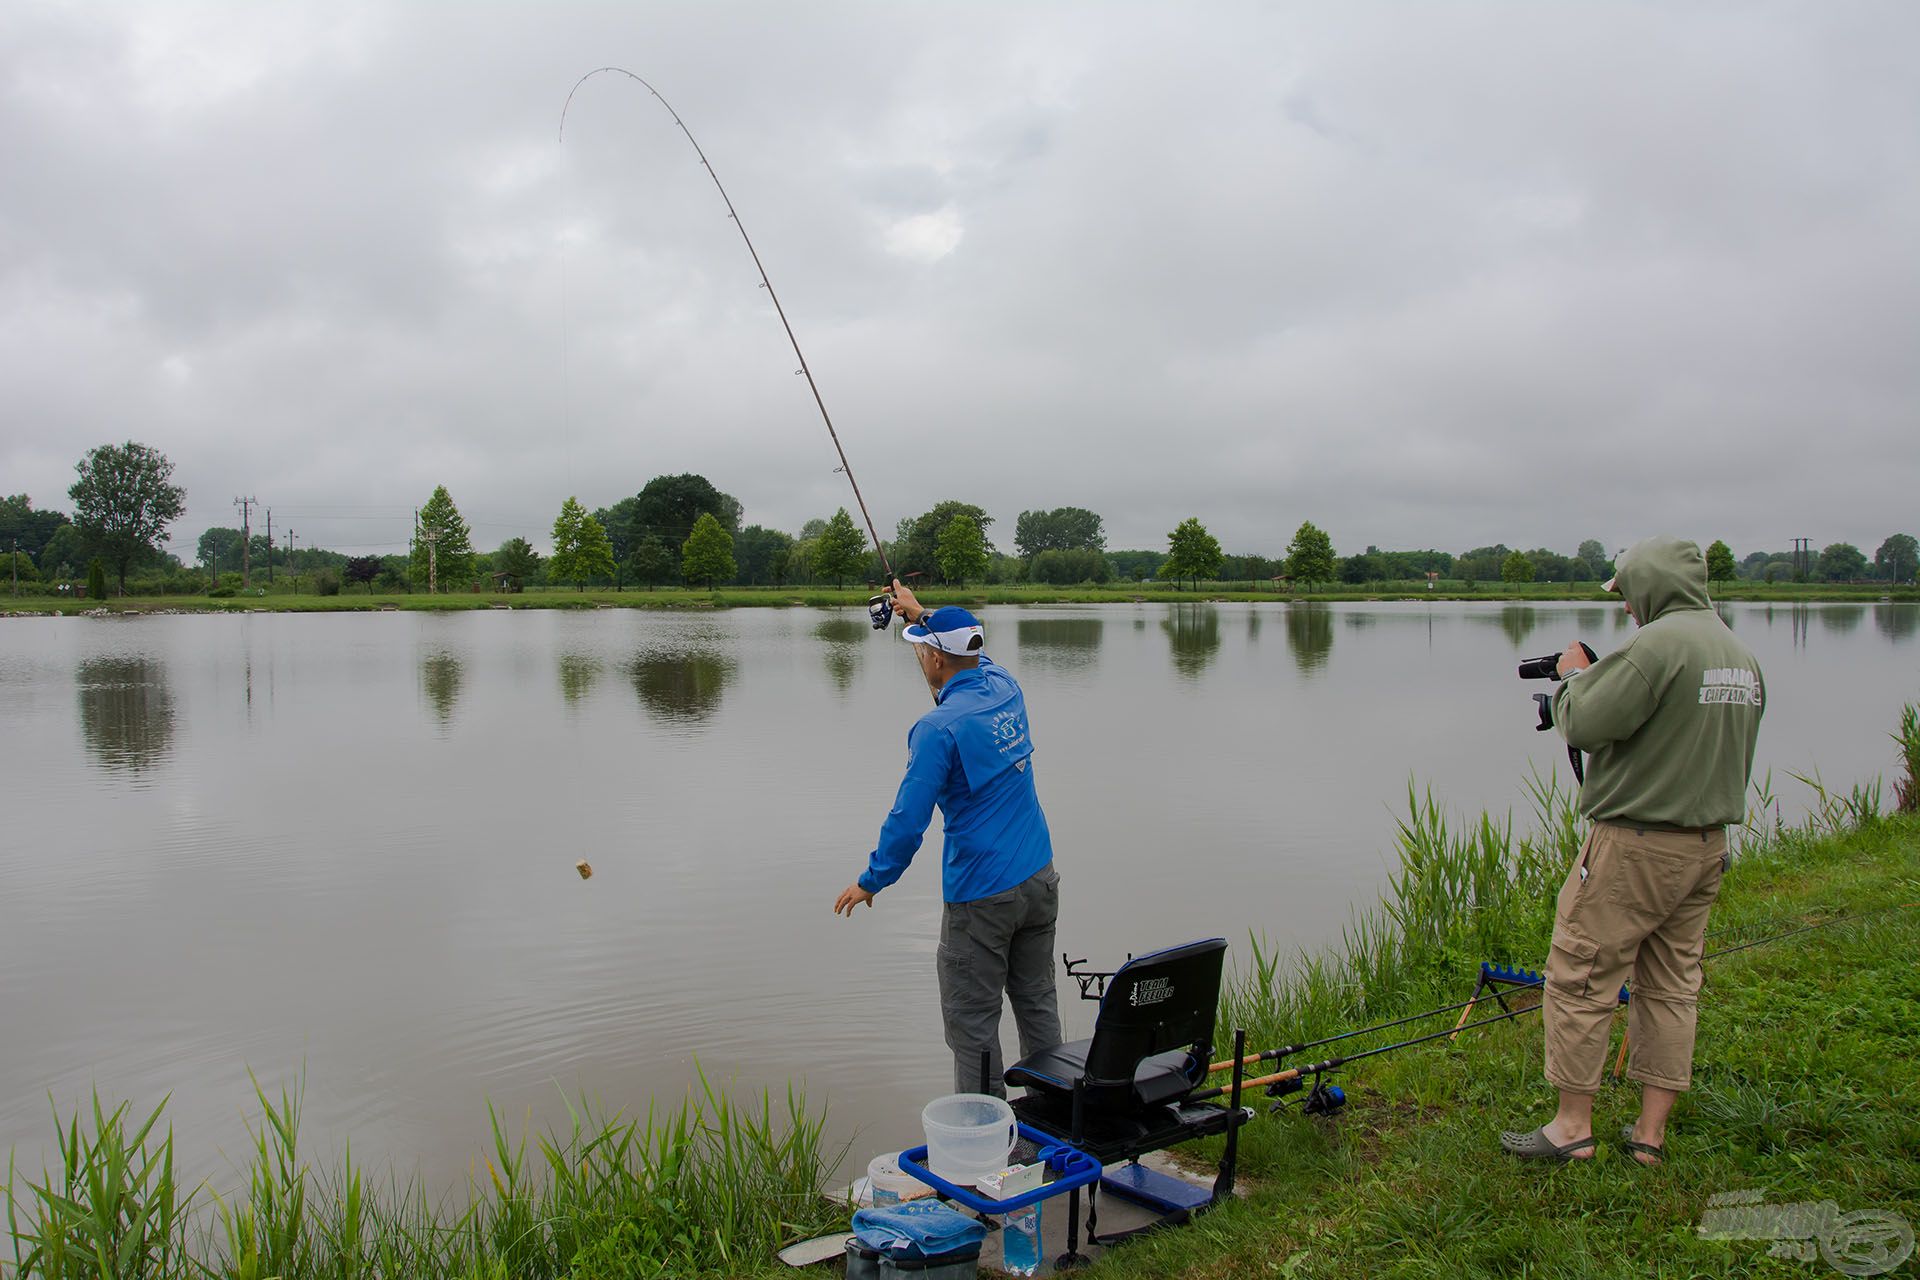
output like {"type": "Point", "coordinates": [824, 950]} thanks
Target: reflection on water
{"type": "Point", "coordinates": [578, 671]}
{"type": "Point", "coordinates": [441, 675]}
{"type": "Point", "coordinates": [1896, 621]}
{"type": "Point", "coordinates": [126, 711]}
{"type": "Point", "coordinates": [681, 687]}
{"type": "Point", "coordinates": [1309, 635]}
{"type": "Point", "coordinates": [1194, 632]}
{"type": "Point", "coordinates": [843, 638]}
{"type": "Point", "coordinates": [1518, 621]}
{"type": "Point", "coordinates": [1061, 644]}
{"type": "Point", "coordinates": [1843, 619]}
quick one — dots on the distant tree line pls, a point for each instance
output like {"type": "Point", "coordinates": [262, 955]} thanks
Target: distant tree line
{"type": "Point", "coordinates": [683, 529]}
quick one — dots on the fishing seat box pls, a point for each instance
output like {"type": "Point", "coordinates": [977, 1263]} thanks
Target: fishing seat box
{"type": "Point", "coordinates": [872, 1264]}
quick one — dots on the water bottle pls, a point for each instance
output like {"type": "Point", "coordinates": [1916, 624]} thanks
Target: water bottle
{"type": "Point", "coordinates": [1020, 1241]}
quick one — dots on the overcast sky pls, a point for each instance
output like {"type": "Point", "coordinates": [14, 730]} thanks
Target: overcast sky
{"type": "Point", "coordinates": [1441, 274]}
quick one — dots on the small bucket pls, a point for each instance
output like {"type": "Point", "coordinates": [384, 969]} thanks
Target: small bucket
{"type": "Point", "coordinates": [969, 1135]}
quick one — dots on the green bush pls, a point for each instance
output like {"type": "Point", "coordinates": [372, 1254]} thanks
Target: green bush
{"type": "Point", "coordinates": [326, 583]}
{"type": "Point", "coordinates": [96, 579]}
{"type": "Point", "coordinates": [221, 593]}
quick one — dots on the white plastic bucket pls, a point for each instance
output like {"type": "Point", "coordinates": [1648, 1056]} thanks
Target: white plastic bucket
{"type": "Point", "coordinates": [886, 1184]}
{"type": "Point", "coordinates": [969, 1135]}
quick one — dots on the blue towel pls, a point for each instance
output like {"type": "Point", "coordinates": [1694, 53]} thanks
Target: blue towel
{"type": "Point", "coordinates": [917, 1229]}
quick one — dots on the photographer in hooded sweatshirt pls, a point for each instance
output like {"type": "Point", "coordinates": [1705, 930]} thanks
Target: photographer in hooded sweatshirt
{"type": "Point", "coordinates": [1669, 721]}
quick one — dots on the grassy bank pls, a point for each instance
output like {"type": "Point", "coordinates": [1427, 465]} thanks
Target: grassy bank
{"type": "Point", "coordinates": [683, 598]}
{"type": "Point", "coordinates": [1807, 1068]}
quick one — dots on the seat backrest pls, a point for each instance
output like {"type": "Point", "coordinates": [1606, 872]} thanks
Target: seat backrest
{"type": "Point", "coordinates": [1156, 1003]}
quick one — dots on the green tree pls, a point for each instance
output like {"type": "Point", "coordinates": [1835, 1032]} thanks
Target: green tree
{"type": "Point", "coordinates": [1594, 564]}
{"type": "Point", "coordinates": [707, 554]}
{"type": "Point", "coordinates": [1061, 529]}
{"type": "Point", "coordinates": [840, 550]}
{"type": "Point", "coordinates": [1842, 562]}
{"type": "Point", "coordinates": [1482, 564]}
{"type": "Point", "coordinates": [1310, 554]}
{"type": "Point", "coordinates": [1516, 568]}
{"type": "Point", "coordinates": [123, 503]}
{"type": "Point", "coordinates": [650, 561]}
{"type": "Point", "coordinates": [1897, 557]}
{"type": "Point", "coordinates": [23, 527]}
{"type": "Point", "coordinates": [1063, 568]}
{"type": "Point", "coordinates": [219, 548]}
{"type": "Point", "coordinates": [1368, 566]}
{"type": "Point", "coordinates": [96, 579]}
{"type": "Point", "coordinates": [62, 554]}
{"type": "Point", "coordinates": [1192, 552]}
{"type": "Point", "coordinates": [962, 550]}
{"type": "Point", "coordinates": [761, 554]}
{"type": "Point", "coordinates": [580, 547]}
{"type": "Point", "coordinates": [916, 547]}
{"type": "Point", "coordinates": [1720, 563]}
{"type": "Point", "coordinates": [1136, 566]}
{"type": "Point", "coordinates": [516, 558]}
{"type": "Point", "coordinates": [442, 545]}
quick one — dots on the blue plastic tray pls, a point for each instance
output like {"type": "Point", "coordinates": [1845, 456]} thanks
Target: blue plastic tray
{"type": "Point", "coordinates": [1071, 1169]}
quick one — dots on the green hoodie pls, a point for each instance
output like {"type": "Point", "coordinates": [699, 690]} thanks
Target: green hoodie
{"type": "Point", "coordinates": [1670, 718]}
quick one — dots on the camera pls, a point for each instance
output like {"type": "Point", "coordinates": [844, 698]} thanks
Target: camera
{"type": "Point", "coordinates": [1548, 668]}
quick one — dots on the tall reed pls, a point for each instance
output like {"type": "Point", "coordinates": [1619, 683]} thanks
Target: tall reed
{"type": "Point", "coordinates": [696, 1189]}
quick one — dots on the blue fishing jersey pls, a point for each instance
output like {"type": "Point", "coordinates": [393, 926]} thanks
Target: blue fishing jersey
{"type": "Point", "coordinates": [973, 756]}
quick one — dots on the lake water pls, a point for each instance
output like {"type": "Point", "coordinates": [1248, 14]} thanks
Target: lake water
{"type": "Point", "coordinates": [345, 844]}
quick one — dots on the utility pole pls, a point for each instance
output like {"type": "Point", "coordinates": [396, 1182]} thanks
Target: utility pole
{"type": "Point", "coordinates": [1802, 559]}
{"type": "Point", "coordinates": [246, 536]}
{"type": "Point", "coordinates": [433, 559]}
{"type": "Point", "coordinates": [16, 566]}
{"type": "Point", "coordinates": [270, 547]}
{"type": "Point", "coordinates": [291, 571]}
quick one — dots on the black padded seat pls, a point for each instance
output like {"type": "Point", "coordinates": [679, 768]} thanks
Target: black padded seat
{"type": "Point", "coordinates": [1165, 1077]}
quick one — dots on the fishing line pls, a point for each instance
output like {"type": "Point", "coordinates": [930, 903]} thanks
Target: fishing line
{"type": "Point", "coordinates": [765, 283]}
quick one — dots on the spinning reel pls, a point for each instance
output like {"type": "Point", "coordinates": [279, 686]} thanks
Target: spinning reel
{"type": "Point", "coordinates": [880, 610]}
{"type": "Point", "coordinates": [1322, 1099]}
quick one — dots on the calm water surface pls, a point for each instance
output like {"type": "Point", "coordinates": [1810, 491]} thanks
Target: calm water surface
{"type": "Point", "coordinates": [345, 844]}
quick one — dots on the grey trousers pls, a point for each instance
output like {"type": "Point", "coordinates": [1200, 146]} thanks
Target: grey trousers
{"type": "Point", "coordinates": [995, 947]}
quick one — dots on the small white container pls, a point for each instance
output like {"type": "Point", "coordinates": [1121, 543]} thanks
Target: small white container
{"type": "Point", "coordinates": [969, 1135]}
{"type": "Point", "coordinates": [887, 1184]}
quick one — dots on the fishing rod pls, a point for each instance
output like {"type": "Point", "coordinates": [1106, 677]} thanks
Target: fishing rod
{"type": "Point", "coordinates": [1324, 1101]}
{"type": "Point", "coordinates": [880, 607]}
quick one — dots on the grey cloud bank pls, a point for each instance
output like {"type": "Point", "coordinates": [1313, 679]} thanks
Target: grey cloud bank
{"type": "Point", "coordinates": [1442, 275]}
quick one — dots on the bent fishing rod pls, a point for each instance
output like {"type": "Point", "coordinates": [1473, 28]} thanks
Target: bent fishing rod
{"type": "Point", "coordinates": [880, 607]}
{"type": "Point", "coordinates": [1488, 990]}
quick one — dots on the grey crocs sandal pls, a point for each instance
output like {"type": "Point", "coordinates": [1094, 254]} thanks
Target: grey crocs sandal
{"type": "Point", "coordinates": [1627, 1144]}
{"type": "Point", "coordinates": [1537, 1146]}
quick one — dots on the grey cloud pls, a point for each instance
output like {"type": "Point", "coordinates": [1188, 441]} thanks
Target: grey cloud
{"type": "Point", "coordinates": [1426, 276]}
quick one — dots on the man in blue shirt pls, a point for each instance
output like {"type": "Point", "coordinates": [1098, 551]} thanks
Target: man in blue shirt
{"type": "Point", "coordinates": [973, 756]}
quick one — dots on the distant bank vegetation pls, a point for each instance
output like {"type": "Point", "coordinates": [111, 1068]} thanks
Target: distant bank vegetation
{"type": "Point", "coordinates": [681, 530]}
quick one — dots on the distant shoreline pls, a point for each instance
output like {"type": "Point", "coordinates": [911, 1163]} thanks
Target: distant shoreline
{"type": "Point", "coordinates": [683, 599]}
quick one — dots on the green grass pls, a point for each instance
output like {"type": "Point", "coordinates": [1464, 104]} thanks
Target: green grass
{"type": "Point", "coordinates": [1807, 1067]}
{"type": "Point", "coordinates": [349, 600]}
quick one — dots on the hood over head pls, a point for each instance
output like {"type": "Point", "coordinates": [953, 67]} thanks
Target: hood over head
{"type": "Point", "coordinates": [1660, 575]}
